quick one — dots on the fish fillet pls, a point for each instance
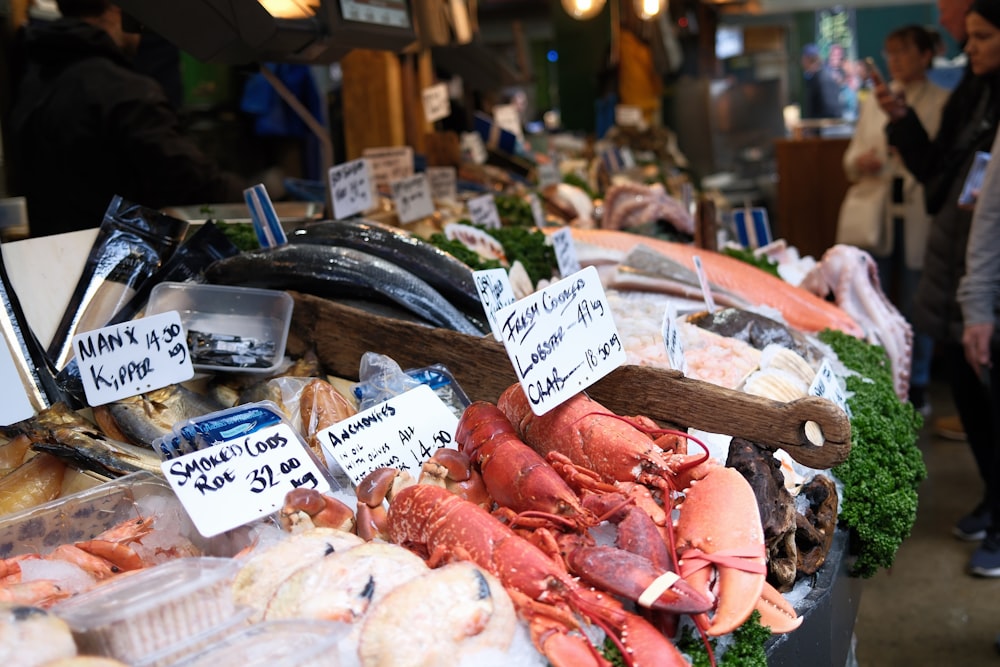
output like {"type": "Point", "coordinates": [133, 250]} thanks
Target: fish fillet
{"type": "Point", "coordinates": [801, 309]}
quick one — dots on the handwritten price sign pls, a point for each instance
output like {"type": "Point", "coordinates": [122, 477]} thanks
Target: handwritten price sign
{"type": "Point", "coordinates": [483, 211]}
{"type": "Point", "coordinates": [351, 188]}
{"type": "Point", "coordinates": [390, 164]}
{"type": "Point", "coordinates": [412, 197]}
{"type": "Point", "coordinates": [133, 358]}
{"type": "Point", "coordinates": [243, 479]}
{"type": "Point", "coordinates": [561, 339]}
{"type": "Point", "coordinates": [495, 293]}
{"type": "Point", "coordinates": [400, 433]}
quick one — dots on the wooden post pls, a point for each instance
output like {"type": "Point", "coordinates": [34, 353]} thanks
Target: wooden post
{"type": "Point", "coordinates": [373, 101]}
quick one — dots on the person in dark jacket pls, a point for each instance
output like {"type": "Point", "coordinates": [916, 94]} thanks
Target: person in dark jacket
{"type": "Point", "coordinates": [86, 127]}
{"type": "Point", "coordinates": [821, 92]}
{"type": "Point", "coordinates": [968, 124]}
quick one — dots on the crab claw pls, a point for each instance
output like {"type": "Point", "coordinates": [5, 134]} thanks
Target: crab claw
{"type": "Point", "coordinates": [719, 530]}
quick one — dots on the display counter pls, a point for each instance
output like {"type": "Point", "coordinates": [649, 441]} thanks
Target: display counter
{"type": "Point", "coordinates": [811, 186]}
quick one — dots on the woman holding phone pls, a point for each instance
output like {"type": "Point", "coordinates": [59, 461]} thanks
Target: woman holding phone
{"type": "Point", "coordinates": [968, 125]}
{"type": "Point", "coordinates": [899, 250]}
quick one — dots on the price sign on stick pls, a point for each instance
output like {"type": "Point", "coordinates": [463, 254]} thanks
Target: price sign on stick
{"type": "Point", "coordinates": [562, 243]}
{"type": "Point", "coordinates": [672, 340]}
{"type": "Point", "coordinates": [443, 182]}
{"type": "Point", "coordinates": [537, 212]}
{"type": "Point", "coordinates": [132, 358]}
{"type": "Point", "coordinates": [437, 105]}
{"type": "Point", "coordinates": [483, 211]}
{"type": "Point", "coordinates": [390, 164]}
{"type": "Point", "coordinates": [243, 479]}
{"type": "Point", "coordinates": [401, 433]}
{"type": "Point", "coordinates": [825, 385]}
{"type": "Point", "coordinates": [561, 339]}
{"type": "Point", "coordinates": [351, 188]}
{"type": "Point", "coordinates": [706, 288]}
{"type": "Point", "coordinates": [412, 197]}
{"type": "Point", "coordinates": [495, 291]}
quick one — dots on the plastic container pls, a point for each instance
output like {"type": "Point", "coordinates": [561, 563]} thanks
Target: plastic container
{"type": "Point", "coordinates": [228, 328]}
{"type": "Point", "coordinates": [84, 515]}
{"type": "Point", "coordinates": [145, 613]}
{"type": "Point", "coordinates": [292, 643]}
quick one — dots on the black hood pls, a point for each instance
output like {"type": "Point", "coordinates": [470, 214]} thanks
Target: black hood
{"type": "Point", "coordinates": [58, 43]}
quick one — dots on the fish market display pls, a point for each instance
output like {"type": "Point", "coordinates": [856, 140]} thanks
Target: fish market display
{"type": "Point", "coordinates": [646, 270]}
{"type": "Point", "coordinates": [36, 481]}
{"type": "Point", "coordinates": [333, 271]}
{"type": "Point", "coordinates": [442, 271]}
{"type": "Point", "coordinates": [851, 275]}
{"type": "Point", "coordinates": [631, 205]}
{"type": "Point", "coordinates": [142, 419]}
{"type": "Point", "coordinates": [800, 308]}
{"type": "Point", "coordinates": [62, 432]}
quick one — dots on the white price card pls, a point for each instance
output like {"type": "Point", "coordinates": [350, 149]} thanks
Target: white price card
{"type": "Point", "coordinates": [444, 182]}
{"type": "Point", "coordinates": [400, 433]}
{"type": "Point", "coordinates": [483, 211]}
{"type": "Point", "coordinates": [548, 174]}
{"type": "Point", "coordinates": [706, 288]}
{"type": "Point", "coordinates": [14, 403]}
{"type": "Point", "coordinates": [351, 189]}
{"type": "Point", "coordinates": [629, 116]}
{"type": "Point", "coordinates": [672, 340]}
{"type": "Point", "coordinates": [133, 357]}
{"type": "Point", "coordinates": [412, 197]}
{"type": "Point", "coordinates": [562, 243]}
{"type": "Point", "coordinates": [495, 291]}
{"type": "Point", "coordinates": [825, 385]}
{"type": "Point", "coordinates": [244, 479]}
{"type": "Point", "coordinates": [537, 213]}
{"type": "Point", "coordinates": [390, 164]}
{"type": "Point", "coordinates": [561, 339]}
{"type": "Point", "coordinates": [437, 104]}
{"type": "Point", "coordinates": [508, 118]}
{"type": "Point", "coordinates": [473, 147]}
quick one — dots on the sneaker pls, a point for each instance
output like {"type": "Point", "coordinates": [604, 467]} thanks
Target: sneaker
{"type": "Point", "coordinates": [972, 527]}
{"type": "Point", "coordinates": [949, 427]}
{"type": "Point", "coordinates": [985, 561]}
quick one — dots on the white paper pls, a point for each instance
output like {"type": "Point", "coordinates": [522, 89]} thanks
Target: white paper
{"type": "Point", "coordinates": [706, 289]}
{"type": "Point", "coordinates": [351, 188]}
{"type": "Point", "coordinates": [474, 148]}
{"type": "Point", "coordinates": [133, 357]}
{"type": "Point", "coordinates": [389, 164]}
{"type": "Point", "coordinates": [629, 116]}
{"type": "Point", "coordinates": [437, 104]}
{"type": "Point", "coordinates": [400, 433]}
{"type": "Point", "coordinates": [672, 340]}
{"type": "Point", "coordinates": [243, 479]}
{"type": "Point", "coordinates": [561, 339]}
{"type": "Point", "coordinates": [495, 292]}
{"type": "Point", "coordinates": [483, 211]}
{"type": "Point", "coordinates": [562, 243]}
{"type": "Point", "coordinates": [412, 197]}
{"type": "Point", "coordinates": [14, 403]}
{"type": "Point", "coordinates": [537, 213]}
{"type": "Point", "coordinates": [508, 118]}
{"type": "Point", "coordinates": [825, 385]}
{"type": "Point", "coordinates": [443, 182]}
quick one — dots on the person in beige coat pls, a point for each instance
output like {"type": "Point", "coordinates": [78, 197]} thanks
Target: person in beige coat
{"type": "Point", "coordinates": [898, 245]}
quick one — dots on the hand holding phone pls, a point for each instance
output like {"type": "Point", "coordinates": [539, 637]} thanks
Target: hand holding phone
{"type": "Point", "coordinates": [873, 72]}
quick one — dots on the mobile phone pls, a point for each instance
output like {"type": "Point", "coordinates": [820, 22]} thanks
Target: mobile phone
{"type": "Point", "coordinates": [873, 72]}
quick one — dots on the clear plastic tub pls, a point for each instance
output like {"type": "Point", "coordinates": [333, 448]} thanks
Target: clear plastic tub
{"type": "Point", "coordinates": [84, 515]}
{"type": "Point", "coordinates": [292, 643]}
{"type": "Point", "coordinates": [228, 328]}
{"type": "Point", "coordinates": [150, 611]}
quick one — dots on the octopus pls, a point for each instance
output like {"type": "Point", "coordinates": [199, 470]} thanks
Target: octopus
{"type": "Point", "coordinates": [852, 277]}
{"type": "Point", "coordinates": [630, 205]}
